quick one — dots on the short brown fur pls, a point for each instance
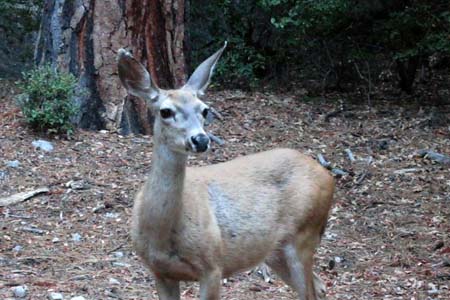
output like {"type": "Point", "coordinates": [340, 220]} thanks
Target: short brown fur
{"type": "Point", "coordinates": [205, 223]}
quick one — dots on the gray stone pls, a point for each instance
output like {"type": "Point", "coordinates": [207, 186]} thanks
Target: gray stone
{"type": "Point", "coordinates": [76, 237]}
{"type": "Point", "coordinates": [118, 254]}
{"type": "Point", "coordinates": [78, 298]}
{"type": "Point", "coordinates": [13, 164]}
{"type": "Point", "coordinates": [120, 264]}
{"type": "Point", "coordinates": [112, 215]}
{"type": "Point", "coordinates": [55, 296]}
{"type": "Point", "coordinates": [3, 175]}
{"type": "Point", "coordinates": [20, 291]}
{"type": "Point", "coordinates": [17, 248]}
{"type": "Point", "coordinates": [43, 145]}
{"type": "Point", "coordinates": [114, 281]}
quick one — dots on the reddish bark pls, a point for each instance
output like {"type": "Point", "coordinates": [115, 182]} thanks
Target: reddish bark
{"type": "Point", "coordinates": [83, 36]}
{"type": "Point", "coordinates": [158, 39]}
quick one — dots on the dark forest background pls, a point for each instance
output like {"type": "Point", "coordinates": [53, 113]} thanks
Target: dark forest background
{"type": "Point", "coordinates": [359, 47]}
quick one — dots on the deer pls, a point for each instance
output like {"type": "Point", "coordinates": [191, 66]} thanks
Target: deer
{"type": "Point", "coordinates": [207, 223]}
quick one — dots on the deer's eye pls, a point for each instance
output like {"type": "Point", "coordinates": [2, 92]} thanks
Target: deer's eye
{"type": "Point", "coordinates": [205, 112]}
{"type": "Point", "coordinates": [166, 113]}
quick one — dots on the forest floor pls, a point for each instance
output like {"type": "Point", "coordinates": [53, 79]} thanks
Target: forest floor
{"type": "Point", "coordinates": [388, 235]}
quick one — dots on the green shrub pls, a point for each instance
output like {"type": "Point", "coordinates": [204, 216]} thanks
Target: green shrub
{"type": "Point", "coordinates": [47, 101]}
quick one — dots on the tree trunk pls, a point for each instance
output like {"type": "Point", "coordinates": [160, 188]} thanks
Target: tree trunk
{"type": "Point", "coordinates": [83, 36]}
{"type": "Point", "coordinates": [407, 70]}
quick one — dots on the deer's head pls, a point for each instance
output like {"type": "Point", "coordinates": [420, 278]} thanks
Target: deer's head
{"type": "Point", "coordinates": [179, 113]}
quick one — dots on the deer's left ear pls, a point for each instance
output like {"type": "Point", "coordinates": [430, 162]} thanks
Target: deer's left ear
{"type": "Point", "coordinates": [199, 80]}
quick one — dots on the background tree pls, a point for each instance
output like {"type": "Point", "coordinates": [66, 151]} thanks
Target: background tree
{"type": "Point", "coordinates": [290, 41]}
{"type": "Point", "coordinates": [321, 46]}
{"type": "Point", "coordinates": [83, 36]}
{"type": "Point", "coordinates": [18, 22]}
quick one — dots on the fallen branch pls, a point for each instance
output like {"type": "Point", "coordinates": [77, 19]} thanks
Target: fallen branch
{"type": "Point", "coordinates": [438, 157]}
{"type": "Point", "coordinates": [20, 197]}
{"type": "Point", "coordinates": [216, 139]}
{"type": "Point", "coordinates": [33, 230]}
{"type": "Point", "coordinates": [327, 165]}
{"type": "Point", "coordinates": [323, 161]}
{"type": "Point", "coordinates": [363, 175]}
{"type": "Point", "coordinates": [406, 171]}
{"type": "Point", "coordinates": [213, 114]}
{"type": "Point", "coordinates": [350, 155]}
{"type": "Point", "coordinates": [339, 172]}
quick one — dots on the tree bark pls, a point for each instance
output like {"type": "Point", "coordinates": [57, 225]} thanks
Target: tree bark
{"type": "Point", "coordinates": [407, 70]}
{"type": "Point", "coordinates": [83, 36]}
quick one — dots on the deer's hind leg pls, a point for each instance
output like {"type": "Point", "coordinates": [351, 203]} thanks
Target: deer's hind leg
{"type": "Point", "coordinates": [294, 265]}
{"type": "Point", "coordinates": [167, 289]}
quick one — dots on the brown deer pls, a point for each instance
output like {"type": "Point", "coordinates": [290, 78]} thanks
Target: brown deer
{"type": "Point", "coordinates": [206, 223]}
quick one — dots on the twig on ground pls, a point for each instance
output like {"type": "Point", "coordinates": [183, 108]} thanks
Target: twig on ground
{"type": "Point", "coordinates": [326, 164]}
{"type": "Point", "coordinates": [438, 157]}
{"type": "Point", "coordinates": [350, 155]}
{"type": "Point", "coordinates": [339, 172]}
{"type": "Point", "coordinates": [215, 113]}
{"type": "Point", "coordinates": [364, 174]}
{"type": "Point", "coordinates": [405, 171]}
{"type": "Point", "coordinates": [323, 161]}
{"type": "Point", "coordinates": [116, 248]}
{"type": "Point", "coordinates": [20, 197]}
{"type": "Point", "coordinates": [216, 139]}
{"type": "Point", "coordinates": [33, 230]}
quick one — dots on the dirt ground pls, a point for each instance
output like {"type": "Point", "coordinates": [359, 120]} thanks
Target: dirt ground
{"type": "Point", "coordinates": [388, 236]}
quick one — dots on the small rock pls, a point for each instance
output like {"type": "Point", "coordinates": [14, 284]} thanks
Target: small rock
{"type": "Point", "coordinates": [432, 289]}
{"type": "Point", "coordinates": [55, 240]}
{"type": "Point", "coordinates": [120, 264]}
{"type": "Point", "coordinates": [330, 236]}
{"type": "Point", "coordinates": [3, 175]}
{"type": "Point", "coordinates": [331, 264]}
{"type": "Point", "coordinates": [55, 296]}
{"type": "Point", "coordinates": [118, 254]}
{"type": "Point", "coordinates": [82, 277]}
{"type": "Point", "coordinates": [43, 145]}
{"type": "Point", "coordinates": [78, 298]}
{"type": "Point", "coordinates": [111, 215]}
{"type": "Point", "coordinates": [76, 237]}
{"type": "Point", "coordinates": [20, 291]}
{"type": "Point", "coordinates": [438, 245]}
{"type": "Point", "coordinates": [338, 259]}
{"type": "Point", "coordinates": [78, 185]}
{"type": "Point", "coordinates": [98, 208]}
{"type": "Point", "coordinates": [114, 281]}
{"type": "Point", "coordinates": [13, 164]}
{"type": "Point", "coordinates": [17, 248]}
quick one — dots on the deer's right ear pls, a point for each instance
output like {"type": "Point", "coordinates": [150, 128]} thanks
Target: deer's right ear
{"type": "Point", "coordinates": [135, 77]}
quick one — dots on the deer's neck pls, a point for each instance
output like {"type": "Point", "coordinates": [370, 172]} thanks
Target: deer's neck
{"type": "Point", "coordinates": [163, 192]}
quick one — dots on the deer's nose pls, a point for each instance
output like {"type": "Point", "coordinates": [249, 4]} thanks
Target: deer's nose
{"type": "Point", "coordinates": [201, 142]}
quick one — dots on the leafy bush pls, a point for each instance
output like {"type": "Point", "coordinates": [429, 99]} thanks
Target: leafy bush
{"type": "Point", "coordinates": [47, 101]}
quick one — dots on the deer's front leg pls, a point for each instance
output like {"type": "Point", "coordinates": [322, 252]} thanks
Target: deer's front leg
{"type": "Point", "coordinates": [210, 285]}
{"type": "Point", "coordinates": [167, 289]}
